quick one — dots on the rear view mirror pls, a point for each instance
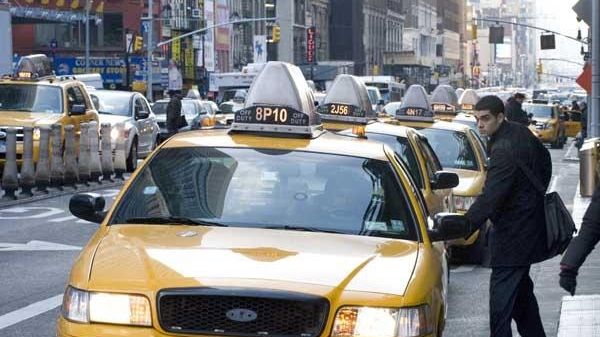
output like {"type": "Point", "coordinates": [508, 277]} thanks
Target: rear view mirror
{"type": "Point", "coordinates": [444, 180]}
{"type": "Point", "coordinates": [88, 206]}
{"type": "Point", "coordinates": [450, 226]}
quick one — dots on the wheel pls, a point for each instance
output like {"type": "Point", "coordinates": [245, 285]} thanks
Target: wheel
{"type": "Point", "coordinates": [132, 158]}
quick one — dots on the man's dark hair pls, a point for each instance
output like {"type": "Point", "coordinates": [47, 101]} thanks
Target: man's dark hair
{"type": "Point", "coordinates": [519, 96]}
{"type": "Point", "coordinates": [492, 103]}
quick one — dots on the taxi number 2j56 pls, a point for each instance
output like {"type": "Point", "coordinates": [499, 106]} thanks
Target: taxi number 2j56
{"type": "Point", "coordinates": [339, 109]}
{"type": "Point", "coordinates": [277, 115]}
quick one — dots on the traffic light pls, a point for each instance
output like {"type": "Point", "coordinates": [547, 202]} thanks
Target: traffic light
{"type": "Point", "coordinates": [138, 43]}
{"type": "Point", "coordinates": [276, 34]}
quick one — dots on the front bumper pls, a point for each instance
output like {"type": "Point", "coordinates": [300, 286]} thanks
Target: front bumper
{"type": "Point", "coordinates": [66, 328]}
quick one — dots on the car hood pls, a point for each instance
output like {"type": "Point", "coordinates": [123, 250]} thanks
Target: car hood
{"type": "Point", "coordinates": [159, 256]}
{"type": "Point", "coordinates": [20, 119]}
{"type": "Point", "coordinates": [112, 119]}
{"type": "Point", "coordinates": [470, 183]}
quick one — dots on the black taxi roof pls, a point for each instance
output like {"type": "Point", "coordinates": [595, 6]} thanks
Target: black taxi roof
{"type": "Point", "coordinates": [325, 143]}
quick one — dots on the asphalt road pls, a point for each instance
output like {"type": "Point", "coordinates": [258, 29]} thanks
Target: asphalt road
{"type": "Point", "coordinates": [39, 242]}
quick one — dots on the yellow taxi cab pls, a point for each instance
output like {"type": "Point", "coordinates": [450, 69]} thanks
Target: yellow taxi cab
{"type": "Point", "coordinates": [467, 101]}
{"type": "Point", "coordinates": [459, 149]}
{"type": "Point", "coordinates": [272, 228]}
{"type": "Point", "coordinates": [547, 123]}
{"type": "Point", "coordinates": [444, 102]}
{"type": "Point", "coordinates": [572, 119]}
{"type": "Point", "coordinates": [34, 97]}
{"type": "Point", "coordinates": [347, 106]}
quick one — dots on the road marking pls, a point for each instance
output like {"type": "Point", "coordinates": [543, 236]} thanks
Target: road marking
{"type": "Point", "coordinates": [29, 311]}
{"type": "Point", "coordinates": [463, 269]}
{"type": "Point", "coordinates": [35, 245]}
{"type": "Point", "coordinates": [63, 219]}
{"type": "Point", "coordinates": [553, 184]}
{"type": "Point", "coordinates": [47, 212]}
{"type": "Point", "coordinates": [567, 155]}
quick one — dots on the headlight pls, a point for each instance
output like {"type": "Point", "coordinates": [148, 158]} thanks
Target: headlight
{"type": "Point", "coordinates": [382, 322]}
{"type": "Point", "coordinates": [114, 134]}
{"type": "Point", "coordinates": [463, 203]}
{"type": "Point", "coordinates": [82, 306]}
{"type": "Point", "coordinates": [36, 133]}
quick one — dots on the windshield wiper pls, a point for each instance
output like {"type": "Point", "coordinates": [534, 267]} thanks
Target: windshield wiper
{"type": "Point", "coordinates": [305, 229]}
{"type": "Point", "coordinates": [173, 220]}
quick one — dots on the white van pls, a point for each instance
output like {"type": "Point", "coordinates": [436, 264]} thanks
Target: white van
{"type": "Point", "coordinates": [90, 80]}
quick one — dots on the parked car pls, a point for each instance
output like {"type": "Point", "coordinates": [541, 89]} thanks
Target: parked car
{"type": "Point", "coordinates": [130, 109]}
{"type": "Point", "coordinates": [193, 110]}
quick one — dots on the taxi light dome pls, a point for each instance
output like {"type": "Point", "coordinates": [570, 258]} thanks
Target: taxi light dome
{"type": "Point", "coordinates": [281, 84]}
{"type": "Point", "coordinates": [351, 91]}
{"type": "Point", "coordinates": [444, 94]}
{"type": "Point", "coordinates": [469, 96]}
{"type": "Point", "coordinates": [415, 105]}
{"type": "Point", "coordinates": [34, 66]}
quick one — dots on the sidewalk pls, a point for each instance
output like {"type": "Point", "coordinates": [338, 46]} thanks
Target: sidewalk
{"type": "Point", "coordinates": [580, 314]}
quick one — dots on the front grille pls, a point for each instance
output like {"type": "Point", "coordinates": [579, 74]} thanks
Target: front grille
{"type": "Point", "coordinates": [242, 312]}
{"type": "Point", "coordinates": [19, 131]}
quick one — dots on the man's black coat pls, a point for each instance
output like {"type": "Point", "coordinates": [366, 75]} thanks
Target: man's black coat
{"type": "Point", "coordinates": [514, 112]}
{"type": "Point", "coordinates": [588, 236]}
{"type": "Point", "coordinates": [510, 201]}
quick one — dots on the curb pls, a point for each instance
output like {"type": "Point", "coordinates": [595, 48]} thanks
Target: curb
{"type": "Point", "coordinates": [57, 193]}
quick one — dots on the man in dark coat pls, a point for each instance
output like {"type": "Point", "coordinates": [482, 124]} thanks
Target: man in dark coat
{"type": "Point", "coordinates": [516, 210]}
{"type": "Point", "coordinates": [174, 112]}
{"type": "Point", "coordinates": [514, 109]}
{"type": "Point", "coordinates": [581, 245]}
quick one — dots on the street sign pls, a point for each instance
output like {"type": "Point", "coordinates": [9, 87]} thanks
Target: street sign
{"type": "Point", "coordinates": [311, 45]}
{"type": "Point", "coordinates": [260, 48]}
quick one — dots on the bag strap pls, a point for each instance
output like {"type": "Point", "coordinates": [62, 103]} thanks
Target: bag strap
{"type": "Point", "coordinates": [534, 180]}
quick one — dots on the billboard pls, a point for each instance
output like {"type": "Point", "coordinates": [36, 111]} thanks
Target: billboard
{"type": "Point", "coordinates": [209, 37]}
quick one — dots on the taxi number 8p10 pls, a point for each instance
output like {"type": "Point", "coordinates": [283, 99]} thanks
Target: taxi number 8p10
{"type": "Point", "coordinates": [271, 115]}
{"type": "Point", "coordinates": [277, 115]}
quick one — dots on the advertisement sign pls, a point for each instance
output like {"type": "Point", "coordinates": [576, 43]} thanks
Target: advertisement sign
{"type": "Point", "coordinates": [260, 48]}
{"type": "Point", "coordinates": [112, 69]}
{"type": "Point", "coordinates": [310, 45]}
{"type": "Point", "coordinates": [176, 49]}
{"type": "Point", "coordinates": [209, 47]}
{"type": "Point", "coordinates": [222, 43]}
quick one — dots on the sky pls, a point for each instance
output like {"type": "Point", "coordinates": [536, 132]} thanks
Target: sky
{"type": "Point", "coordinates": [558, 15]}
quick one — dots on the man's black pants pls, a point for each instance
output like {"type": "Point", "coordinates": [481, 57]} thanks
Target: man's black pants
{"type": "Point", "coordinates": [511, 297]}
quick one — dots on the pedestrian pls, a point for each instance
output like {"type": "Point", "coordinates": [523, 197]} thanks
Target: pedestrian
{"type": "Point", "coordinates": [174, 112]}
{"type": "Point", "coordinates": [581, 245]}
{"type": "Point", "coordinates": [517, 236]}
{"type": "Point", "coordinates": [575, 106]}
{"type": "Point", "coordinates": [514, 109]}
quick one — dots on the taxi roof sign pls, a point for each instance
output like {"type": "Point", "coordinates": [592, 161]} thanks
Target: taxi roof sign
{"type": "Point", "coordinates": [279, 101]}
{"type": "Point", "coordinates": [415, 105]}
{"type": "Point", "coordinates": [468, 99]}
{"type": "Point", "coordinates": [34, 67]}
{"type": "Point", "coordinates": [347, 101]}
{"type": "Point", "coordinates": [444, 94]}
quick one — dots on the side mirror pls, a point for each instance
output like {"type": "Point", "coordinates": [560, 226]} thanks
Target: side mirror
{"type": "Point", "coordinates": [444, 180]}
{"type": "Point", "coordinates": [77, 109]}
{"type": "Point", "coordinates": [449, 226]}
{"type": "Point", "coordinates": [88, 206]}
{"type": "Point", "coordinates": [141, 113]}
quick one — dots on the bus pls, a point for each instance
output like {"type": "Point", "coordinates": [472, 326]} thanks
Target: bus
{"type": "Point", "coordinates": [391, 91]}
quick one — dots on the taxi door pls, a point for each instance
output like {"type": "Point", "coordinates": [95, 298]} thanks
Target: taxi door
{"type": "Point", "coordinates": [75, 97]}
{"type": "Point", "coordinates": [573, 124]}
{"type": "Point", "coordinates": [437, 200]}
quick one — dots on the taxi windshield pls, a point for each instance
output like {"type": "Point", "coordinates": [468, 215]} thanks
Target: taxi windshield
{"type": "Point", "coordinates": [271, 189]}
{"type": "Point", "coordinates": [31, 98]}
{"type": "Point", "coordinates": [540, 111]}
{"type": "Point", "coordinates": [452, 148]}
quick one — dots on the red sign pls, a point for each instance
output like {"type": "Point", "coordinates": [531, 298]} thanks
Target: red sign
{"type": "Point", "coordinates": [585, 79]}
{"type": "Point", "coordinates": [310, 45]}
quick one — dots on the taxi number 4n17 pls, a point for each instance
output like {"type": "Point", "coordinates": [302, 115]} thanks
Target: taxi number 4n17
{"type": "Point", "coordinates": [414, 112]}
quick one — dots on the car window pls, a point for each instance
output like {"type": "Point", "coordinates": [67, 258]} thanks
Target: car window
{"type": "Point", "coordinates": [242, 187]}
{"type": "Point", "coordinates": [139, 106]}
{"type": "Point", "coordinates": [111, 103]}
{"type": "Point", "coordinates": [75, 97]}
{"type": "Point", "coordinates": [452, 148]}
{"type": "Point", "coordinates": [31, 98]}
{"type": "Point", "coordinates": [406, 153]}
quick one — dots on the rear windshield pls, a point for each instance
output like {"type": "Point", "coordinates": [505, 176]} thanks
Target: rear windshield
{"type": "Point", "coordinates": [31, 98]}
{"type": "Point", "coordinates": [271, 189]}
{"type": "Point", "coordinates": [453, 148]}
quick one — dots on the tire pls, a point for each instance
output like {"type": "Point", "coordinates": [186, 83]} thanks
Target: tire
{"type": "Point", "coordinates": [132, 158]}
